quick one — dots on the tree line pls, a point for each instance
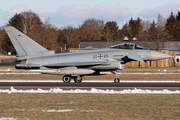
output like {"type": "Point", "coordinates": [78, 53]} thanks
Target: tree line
{"type": "Point", "coordinates": [54, 38]}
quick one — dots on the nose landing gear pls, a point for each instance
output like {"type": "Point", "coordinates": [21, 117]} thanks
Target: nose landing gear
{"type": "Point", "coordinates": [116, 80]}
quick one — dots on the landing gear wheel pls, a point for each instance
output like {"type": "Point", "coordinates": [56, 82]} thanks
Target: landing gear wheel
{"type": "Point", "coordinates": [66, 79]}
{"type": "Point", "coordinates": [78, 80]}
{"type": "Point", "coordinates": [116, 80]}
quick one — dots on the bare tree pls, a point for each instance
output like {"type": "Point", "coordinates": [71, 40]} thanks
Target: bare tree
{"type": "Point", "coordinates": [161, 33]}
{"type": "Point", "coordinates": [144, 33]}
{"type": "Point", "coordinates": [2, 37]}
{"type": "Point", "coordinates": [49, 35]}
{"type": "Point", "coordinates": [5, 44]}
{"type": "Point", "coordinates": [30, 21]}
{"type": "Point", "coordinates": [91, 29]}
{"type": "Point", "coordinates": [30, 25]}
{"type": "Point", "coordinates": [71, 35]}
{"type": "Point", "coordinates": [27, 22]}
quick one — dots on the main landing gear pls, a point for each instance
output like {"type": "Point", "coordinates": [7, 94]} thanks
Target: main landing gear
{"type": "Point", "coordinates": [78, 79]}
{"type": "Point", "coordinates": [116, 80]}
{"type": "Point", "coordinates": [67, 79]}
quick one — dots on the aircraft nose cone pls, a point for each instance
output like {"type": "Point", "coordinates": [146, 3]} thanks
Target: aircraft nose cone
{"type": "Point", "coordinates": [158, 56]}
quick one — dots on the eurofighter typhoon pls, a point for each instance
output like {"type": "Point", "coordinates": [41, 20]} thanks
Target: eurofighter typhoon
{"type": "Point", "coordinates": [75, 65]}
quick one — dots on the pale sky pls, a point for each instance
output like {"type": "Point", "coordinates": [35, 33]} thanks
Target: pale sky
{"type": "Point", "coordinates": [75, 12]}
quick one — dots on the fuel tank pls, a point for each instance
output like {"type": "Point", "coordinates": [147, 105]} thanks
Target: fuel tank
{"type": "Point", "coordinates": [66, 71]}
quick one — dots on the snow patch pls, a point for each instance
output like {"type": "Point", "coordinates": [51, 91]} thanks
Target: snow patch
{"type": "Point", "coordinates": [69, 110]}
{"type": "Point", "coordinates": [63, 110]}
{"type": "Point", "coordinates": [93, 90]}
{"type": "Point", "coordinates": [88, 111]}
{"type": "Point", "coordinates": [11, 118]}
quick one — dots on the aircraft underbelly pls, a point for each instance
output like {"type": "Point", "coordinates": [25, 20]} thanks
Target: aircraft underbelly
{"type": "Point", "coordinates": [99, 61]}
{"type": "Point", "coordinates": [113, 65]}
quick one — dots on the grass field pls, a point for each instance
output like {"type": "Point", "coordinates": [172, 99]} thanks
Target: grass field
{"type": "Point", "coordinates": [90, 106]}
{"type": "Point", "coordinates": [125, 69]}
{"type": "Point", "coordinates": [136, 77]}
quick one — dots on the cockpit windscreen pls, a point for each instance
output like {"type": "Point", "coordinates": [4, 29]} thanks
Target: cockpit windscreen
{"type": "Point", "coordinates": [139, 47]}
{"type": "Point", "coordinates": [123, 46]}
{"type": "Point", "coordinates": [129, 46]}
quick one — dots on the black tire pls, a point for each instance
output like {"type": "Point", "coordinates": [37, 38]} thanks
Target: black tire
{"type": "Point", "coordinates": [116, 80]}
{"type": "Point", "coordinates": [77, 80]}
{"type": "Point", "coordinates": [66, 79]}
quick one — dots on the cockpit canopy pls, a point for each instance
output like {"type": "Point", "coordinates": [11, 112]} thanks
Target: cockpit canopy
{"type": "Point", "coordinates": [130, 46]}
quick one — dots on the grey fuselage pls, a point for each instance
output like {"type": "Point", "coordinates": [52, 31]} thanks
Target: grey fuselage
{"type": "Point", "coordinates": [108, 59]}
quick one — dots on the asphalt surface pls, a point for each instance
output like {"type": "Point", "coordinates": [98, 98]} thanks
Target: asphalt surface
{"type": "Point", "coordinates": [89, 85]}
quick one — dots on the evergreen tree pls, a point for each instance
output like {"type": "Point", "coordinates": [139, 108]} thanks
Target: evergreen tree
{"type": "Point", "coordinates": [152, 30]}
{"type": "Point", "coordinates": [178, 16]}
{"type": "Point", "coordinates": [15, 21]}
{"type": "Point", "coordinates": [132, 26]}
{"type": "Point", "coordinates": [177, 34]}
{"type": "Point", "coordinates": [138, 27]}
{"type": "Point", "coordinates": [171, 26]}
{"type": "Point", "coordinates": [132, 29]}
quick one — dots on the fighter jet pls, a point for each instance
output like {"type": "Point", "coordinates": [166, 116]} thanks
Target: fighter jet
{"type": "Point", "coordinates": [75, 65]}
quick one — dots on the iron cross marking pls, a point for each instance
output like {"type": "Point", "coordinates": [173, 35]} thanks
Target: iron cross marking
{"type": "Point", "coordinates": [100, 56]}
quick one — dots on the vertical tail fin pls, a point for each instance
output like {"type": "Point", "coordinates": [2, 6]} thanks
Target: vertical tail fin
{"type": "Point", "coordinates": [24, 45]}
